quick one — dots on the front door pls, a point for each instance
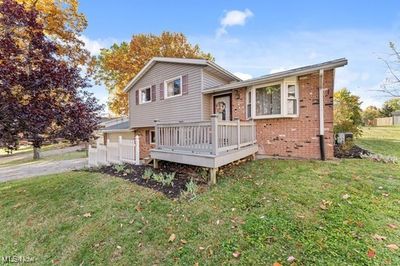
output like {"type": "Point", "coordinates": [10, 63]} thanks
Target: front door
{"type": "Point", "coordinates": [223, 107]}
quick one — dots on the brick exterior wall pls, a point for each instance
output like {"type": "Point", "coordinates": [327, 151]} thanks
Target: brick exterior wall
{"type": "Point", "coordinates": [295, 137]}
{"type": "Point", "coordinates": [144, 142]}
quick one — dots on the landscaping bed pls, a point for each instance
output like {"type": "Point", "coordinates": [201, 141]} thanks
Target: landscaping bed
{"type": "Point", "coordinates": [171, 179]}
{"type": "Point", "coordinates": [353, 152]}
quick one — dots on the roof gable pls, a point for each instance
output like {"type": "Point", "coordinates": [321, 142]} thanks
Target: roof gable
{"type": "Point", "coordinates": [190, 61]}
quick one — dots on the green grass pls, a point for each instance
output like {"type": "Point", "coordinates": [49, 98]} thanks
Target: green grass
{"type": "Point", "coordinates": [267, 210]}
{"type": "Point", "coordinates": [382, 140]}
{"type": "Point", "coordinates": [59, 157]}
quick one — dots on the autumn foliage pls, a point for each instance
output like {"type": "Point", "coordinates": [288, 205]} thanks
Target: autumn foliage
{"type": "Point", "coordinates": [117, 65]}
{"type": "Point", "coordinates": [42, 94]}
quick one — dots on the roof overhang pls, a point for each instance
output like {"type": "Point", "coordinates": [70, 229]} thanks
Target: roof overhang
{"type": "Point", "coordinates": [201, 62]}
{"type": "Point", "coordinates": [280, 75]}
{"type": "Point", "coordinates": [115, 130]}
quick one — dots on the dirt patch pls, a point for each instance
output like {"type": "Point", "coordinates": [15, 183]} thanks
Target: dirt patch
{"type": "Point", "coordinates": [183, 175]}
{"type": "Point", "coordinates": [352, 152]}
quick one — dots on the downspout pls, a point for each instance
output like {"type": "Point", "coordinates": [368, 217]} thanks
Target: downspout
{"type": "Point", "coordinates": [321, 115]}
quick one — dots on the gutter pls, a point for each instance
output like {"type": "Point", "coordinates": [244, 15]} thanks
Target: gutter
{"type": "Point", "coordinates": [321, 115]}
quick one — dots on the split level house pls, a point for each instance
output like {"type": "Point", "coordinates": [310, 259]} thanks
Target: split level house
{"type": "Point", "coordinates": [193, 111]}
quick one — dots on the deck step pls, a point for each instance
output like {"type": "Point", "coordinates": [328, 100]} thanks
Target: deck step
{"type": "Point", "coordinates": [147, 160]}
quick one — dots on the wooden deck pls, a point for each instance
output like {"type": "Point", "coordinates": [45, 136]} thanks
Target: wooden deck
{"type": "Point", "coordinates": [209, 144]}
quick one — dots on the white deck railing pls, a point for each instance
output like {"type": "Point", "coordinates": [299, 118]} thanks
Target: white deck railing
{"type": "Point", "coordinates": [205, 137]}
{"type": "Point", "coordinates": [123, 151]}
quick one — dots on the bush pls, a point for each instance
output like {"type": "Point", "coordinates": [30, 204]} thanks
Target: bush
{"type": "Point", "coordinates": [147, 174]}
{"type": "Point", "coordinates": [168, 179]}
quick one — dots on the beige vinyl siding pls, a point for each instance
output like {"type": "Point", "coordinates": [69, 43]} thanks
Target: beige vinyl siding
{"type": "Point", "coordinates": [185, 107]}
{"type": "Point", "coordinates": [113, 136]}
{"type": "Point", "coordinates": [210, 80]}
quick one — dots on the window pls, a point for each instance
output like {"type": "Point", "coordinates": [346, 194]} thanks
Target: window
{"type": "Point", "coordinates": [292, 99]}
{"type": "Point", "coordinates": [268, 100]}
{"type": "Point", "coordinates": [274, 100]}
{"type": "Point", "coordinates": [248, 105]}
{"type": "Point", "coordinates": [173, 87]}
{"type": "Point", "coordinates": [145, 95]}
{"type": "Point", "coordinates": [152, 136]}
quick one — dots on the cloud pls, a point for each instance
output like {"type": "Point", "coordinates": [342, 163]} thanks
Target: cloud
{"type": "Point", "coordinates": [243, 76]}
{"type": "Point", "coordinates": [95, 45]}
{"type": "Point", "coordinates": [233, 18]}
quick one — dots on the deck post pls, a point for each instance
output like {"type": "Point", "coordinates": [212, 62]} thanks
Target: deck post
{"type": "Point", "coordinates": [155, 163]}
{"type": "Point", "coordinates": [213, 176]}
{"type": "Point", "coordinates": [214, 133]}
{"type": "Point", "coordinates": [238, 132]}
{"type": "Point", "coordinates": [157, 133]}
{"type": "Point", "coordinates": [119, 148]}
{"type": "Point", "coordinates": [137, 148]}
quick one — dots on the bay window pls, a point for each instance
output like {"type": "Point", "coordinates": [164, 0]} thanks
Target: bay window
{"type": "Point", "coordinates": [274, 100]}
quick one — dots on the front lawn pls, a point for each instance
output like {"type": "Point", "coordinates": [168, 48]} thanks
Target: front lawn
{"type": "Point", "coordinates": [382, 140]}
{"type": "Point", "coordinates": [325, 213]}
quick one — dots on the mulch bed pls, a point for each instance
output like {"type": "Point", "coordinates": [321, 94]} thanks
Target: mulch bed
{"type": "Point", "coordinates": [353, 152]}
{"type": "Point", "coordinates": [183, 175]}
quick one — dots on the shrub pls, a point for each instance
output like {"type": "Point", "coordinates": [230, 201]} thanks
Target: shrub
{"type": "Point", "coordinates": [119, 168]}
{"type": "Point", "coordinates": [168, 179]}
{"type": "Point", "coordinates": [158, 177]}
{"type": "Point", "coordinates": [191, 189]}
{"type": "Point", "coordinates": [147, 174]}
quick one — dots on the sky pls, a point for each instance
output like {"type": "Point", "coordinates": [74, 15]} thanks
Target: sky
{"type": "Point", "coordinates": [254, 38]}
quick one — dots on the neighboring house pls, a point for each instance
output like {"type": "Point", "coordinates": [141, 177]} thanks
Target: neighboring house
{"type": "Point", "coordinates": [281, 112]}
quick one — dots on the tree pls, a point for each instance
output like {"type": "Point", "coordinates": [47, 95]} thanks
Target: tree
{"type": "Point", "coordinates": [390, 106]}
{"type": "Point", "coordinates": [391, 86]}
{"type": "Point", "coordinates": [370, 113]}
{"type": "Point", "coordinates": [63, 23]}
{"type": "Point", "coordinates": [41, 94]}
{"type": "Point", "coordinates": [116, 66]}
{"type": "Point", "coordinates": [347, 112]}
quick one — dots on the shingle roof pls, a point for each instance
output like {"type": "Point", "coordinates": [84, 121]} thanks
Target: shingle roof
{"type": "Point", "coordinates": [279, 75]}
{"type": "Point", "coordinates": [117, 127]}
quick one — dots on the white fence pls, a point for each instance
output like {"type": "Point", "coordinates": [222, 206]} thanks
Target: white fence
{"type": "Point", "coordinates": [206, 137]}
{"type": "Point", "coordinates": [123, 151]}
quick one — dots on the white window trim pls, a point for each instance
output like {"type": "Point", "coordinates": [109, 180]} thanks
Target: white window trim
{"type": "Point", "coordinates": [249, 116]}
{"type": "Point", "coordinates": [150, 136]}
{"type": "Point", "coordinates": [166, 89]}
{"type": "Point", "coordinates": [140, 95]}
{"type": "Point", "coordinates": [284, 92]}
{"type": "Point", "coordinates": [286, 84]}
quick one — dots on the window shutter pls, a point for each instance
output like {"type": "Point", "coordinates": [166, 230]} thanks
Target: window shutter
{"type": "Point", "coordinates": [153, 93]}
{"type": "Point", "coordinates": [162, 91]}
{"type": "Point", "coordinates": [147, 136]}
{"type": "Point", "coordinates": [185, 85]}
{"type": "Point", "coordinates": [137, 97]}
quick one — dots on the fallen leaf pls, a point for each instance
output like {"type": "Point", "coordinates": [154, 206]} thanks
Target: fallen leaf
{"type": "Point", "coordinates": [236, 254]}
{"type": "Point", "coordinates": [87, 215]}
{"type": "Point", "coordinates": [217, 222]}
{"type": "Point", "coordinates": [276, 264]}
{"type": "Point", "coordinates": [385, 194]}
{"type": "Point", "coordinates": [345, 196]}
{"type": "Point", "coordinates": [324, 205]}
{"type": "Point", "coordinates": [171, 238]}
{"type": "Point", "coordinates": [118, 247]}
{"type": "Point", "coordinates": [378, 237]}
{"type": "Point", "coordinates": [290, 259]}
{"type": "Point", "coordinates": [371, 253]}
{"type": "Point", "coordinates": [131, 221]}
{"type": "Point", "coordinates": [183, 241]}
{"type": "Point", "coordinates": [55, 261]}
{"type": "Point", "coordinates": [392, 247]}
{"type": "Point", "coordinates": [393, 226]}
{"type": "Point", "coordinates": [196, 264]}
{"type": "Point", "coordinates": [202, 248]}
